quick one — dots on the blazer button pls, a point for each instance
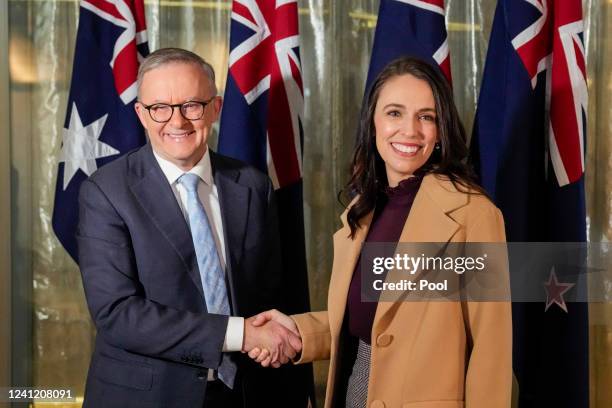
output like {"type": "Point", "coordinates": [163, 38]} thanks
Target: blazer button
{"type": "Point", "coordinates": [384, 340]}
{"type": "Point", "coordinates": [377, 404]}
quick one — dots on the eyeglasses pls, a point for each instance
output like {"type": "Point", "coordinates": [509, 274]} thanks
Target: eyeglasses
{"type": "Point", "coordinates": [190, 110]}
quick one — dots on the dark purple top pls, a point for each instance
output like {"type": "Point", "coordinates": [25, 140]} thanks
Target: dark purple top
{"type": "Point", "coordinates": [392, 208]}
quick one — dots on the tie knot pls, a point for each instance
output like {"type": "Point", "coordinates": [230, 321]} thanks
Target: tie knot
{"type": "Point", "coordinates": [190, 182]}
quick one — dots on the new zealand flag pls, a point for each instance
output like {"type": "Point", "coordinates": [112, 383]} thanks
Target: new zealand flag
{"type": "Point", "coordinates": [100, 120]}
{"type": "Point", "coordinates": [528, 146]}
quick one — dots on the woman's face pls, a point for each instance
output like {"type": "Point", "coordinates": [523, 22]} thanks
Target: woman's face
{"type": "Point", "coordinates": [405, 123]}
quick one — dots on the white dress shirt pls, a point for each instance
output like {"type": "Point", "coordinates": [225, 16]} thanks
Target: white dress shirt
{"type": "Point", "coordinates": [207, 192]}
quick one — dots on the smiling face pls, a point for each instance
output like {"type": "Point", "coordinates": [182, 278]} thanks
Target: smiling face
{"type": "Point", "coordinates": [405, 124]}
{"type": "Point", "coordinates": [180, 141]}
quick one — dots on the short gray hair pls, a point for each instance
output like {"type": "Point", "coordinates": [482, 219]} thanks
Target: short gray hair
{"type": "Point", "coordinates": [165, 56]}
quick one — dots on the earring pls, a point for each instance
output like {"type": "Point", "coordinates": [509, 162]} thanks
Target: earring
{"type": "Point", "coordinates": [437, 146]}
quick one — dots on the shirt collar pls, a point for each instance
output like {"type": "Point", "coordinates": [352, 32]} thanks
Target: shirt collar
{"type": "Point", "coordinates": [172, 172]}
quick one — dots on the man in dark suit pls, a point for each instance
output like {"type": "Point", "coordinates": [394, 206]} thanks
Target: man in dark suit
{"type": "Point", "coordinates": [176, 242]}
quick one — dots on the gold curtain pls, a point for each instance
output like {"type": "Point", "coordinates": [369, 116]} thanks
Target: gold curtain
{"type": "Point", "coordinates": [598, 20]}
{"type": "Point", "coordinates": [336, 41]}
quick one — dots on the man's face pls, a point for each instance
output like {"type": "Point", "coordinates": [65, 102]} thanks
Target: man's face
{"type": "Point", "coordinates": [180, 141]}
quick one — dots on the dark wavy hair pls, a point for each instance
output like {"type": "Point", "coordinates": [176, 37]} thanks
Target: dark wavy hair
{"type": "Point", "coordinates": [368, 174]}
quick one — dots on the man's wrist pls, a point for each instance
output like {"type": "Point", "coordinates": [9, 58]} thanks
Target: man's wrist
{"type": "Point", "coordinates": [234, 334]}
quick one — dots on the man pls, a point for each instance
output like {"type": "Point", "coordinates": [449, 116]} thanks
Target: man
{"type": "Point", "coordinates": [173, 239]}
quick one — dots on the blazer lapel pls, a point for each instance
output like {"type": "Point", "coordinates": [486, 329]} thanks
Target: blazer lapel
{"type": "Point", "coordinates": [430, 221]}
{"type": "Point", "coordinates": [346, 255]}
{"type": "Point", "coordinates": [430, 217]}
{"type": "Point", "coordinates": [151, 189]}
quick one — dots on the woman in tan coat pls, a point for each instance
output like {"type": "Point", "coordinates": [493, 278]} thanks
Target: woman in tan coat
{"type": "Point", "coordinates": [408, 184]}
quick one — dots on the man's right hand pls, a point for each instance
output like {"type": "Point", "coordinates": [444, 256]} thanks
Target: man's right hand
{"type": "Point", "coordinates": [279, 342]}
{"type": "Point", "coordinates": [262, 355]}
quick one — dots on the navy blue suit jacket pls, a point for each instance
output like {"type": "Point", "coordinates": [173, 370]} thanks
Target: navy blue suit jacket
{"type": "Point", "coordinates": [155, 339]}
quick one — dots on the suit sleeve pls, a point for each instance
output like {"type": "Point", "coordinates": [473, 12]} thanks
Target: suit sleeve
{"type": "Point", "coordinates": [116, 299]}
{"type": "Point", "coordinates": [489, 328]}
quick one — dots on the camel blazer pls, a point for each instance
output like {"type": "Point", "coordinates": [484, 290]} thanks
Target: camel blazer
{"type": "Point", "coordinates": [424, 354]}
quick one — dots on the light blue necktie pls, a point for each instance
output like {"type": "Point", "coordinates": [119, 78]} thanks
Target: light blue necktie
{"type": "Point", "coordinates": [211, 273]}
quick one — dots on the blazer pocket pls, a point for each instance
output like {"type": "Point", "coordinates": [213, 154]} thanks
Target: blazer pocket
{"type": "Point", "coordinates": [434, 404]}
{"type": "Point", "coordinates": [132, 375]}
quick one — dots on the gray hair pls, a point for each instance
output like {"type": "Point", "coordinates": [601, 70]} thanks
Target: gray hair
{"type": "Point", "coordinates": [165, 56]}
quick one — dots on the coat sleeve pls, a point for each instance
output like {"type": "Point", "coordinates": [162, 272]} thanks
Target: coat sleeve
{"type": "Point", "coordinates": [489, 328]}
{"type": "Point", "coordinates": [316, 336]}
{"type": "Point", "coordinates": [121, 312]}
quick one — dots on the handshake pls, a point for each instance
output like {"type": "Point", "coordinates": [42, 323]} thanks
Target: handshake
{"type": "Point", "coordinates": [271, 338]}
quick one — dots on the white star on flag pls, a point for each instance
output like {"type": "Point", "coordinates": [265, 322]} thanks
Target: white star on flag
{"type": "Point", "coordinates": [81, 147]}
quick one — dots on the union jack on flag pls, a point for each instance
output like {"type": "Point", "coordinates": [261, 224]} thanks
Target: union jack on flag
{"type": "Point", "coordinates": [100, 122]}
{"type": "Point", "coordinates": [410, 28]}
{"type": "Point", "coordinates": [263, 125]}
{"type": "Point", "coordinates": [554, 43]}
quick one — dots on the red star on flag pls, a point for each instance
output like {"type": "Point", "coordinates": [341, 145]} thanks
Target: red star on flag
{"type": "Point", "coordinates": [555, 291]}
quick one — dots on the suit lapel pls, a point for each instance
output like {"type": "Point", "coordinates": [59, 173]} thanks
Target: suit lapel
{"type": "Point", "coordinates": [430, 220]}
{"type": "Point", "coordinates": [234, 202]}
{"type": "Point", "coordinates": [151, 189]}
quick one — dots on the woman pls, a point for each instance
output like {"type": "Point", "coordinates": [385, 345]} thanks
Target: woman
{"type": "Point", "coordinates": [409, 184]}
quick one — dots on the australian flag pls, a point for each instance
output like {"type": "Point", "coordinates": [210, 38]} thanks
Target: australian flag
{"type": "Point", "coordinates": [528, 146]}
{"type": "Point", "coordinates": [261, 124]}
{"type": "Point", "coordinates": [413, 28]}
{"type": "Point", "coordinates": [100, 120]}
